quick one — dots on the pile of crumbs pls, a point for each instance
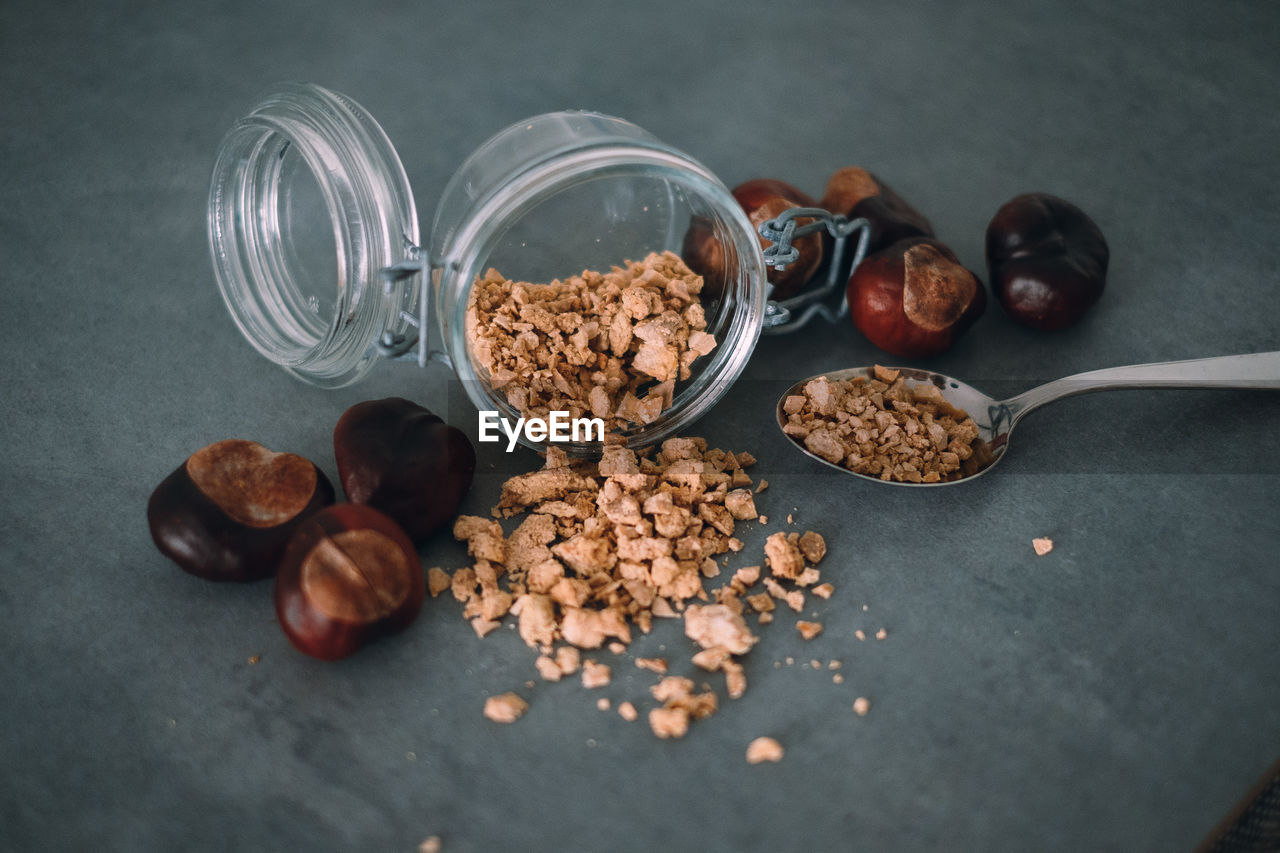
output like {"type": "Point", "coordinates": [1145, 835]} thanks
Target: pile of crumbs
{"type": "Point", "coordinates": [607, 547]}
{"type": "Point", "coordinates": [882, 427]}
{"type": "Point", "coordinates": [607, 345]}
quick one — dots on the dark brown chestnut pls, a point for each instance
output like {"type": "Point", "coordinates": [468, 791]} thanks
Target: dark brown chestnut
{"type": "Point", "coordinates": [1047, 260]}
{"type": "Point", "coordinates": [914, 298]}
{"type": "Point", "coordinates": [397, 457]}
{"type": "Point", "coordinates": [349, 576]}
{"type": "Point", "coordinates": [226, 514]}
{"type": "Point", "coordinates": [857, 193]}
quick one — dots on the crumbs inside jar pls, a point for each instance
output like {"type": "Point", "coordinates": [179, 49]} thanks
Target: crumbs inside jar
{"type": "Point", "coordinates": [610, 345]}
{"type": "Point", "coordinates": [881, 427]}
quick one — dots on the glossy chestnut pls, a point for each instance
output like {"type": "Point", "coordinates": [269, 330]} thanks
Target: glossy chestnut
{"type": "Point", "coordinates": [349, 576]}
{"type": "Point", "coordinates": [857, 193]}
{"type": "Point", "coordinates": [1047, 260]}
{"type": "Point", "coordinates": [398, 457]}
{"type": "Point", "coordinates": [764, 199]}
{"type": "Point", "coordinates": [914, 299]}
{"type": "Point", "coordinates": [226, 514]}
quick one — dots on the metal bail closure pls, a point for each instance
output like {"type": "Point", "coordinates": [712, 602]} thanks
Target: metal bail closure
{"type": "Point", "coordinates": [395, 343]}
{"type": "Point", "coordinates": [783, 316]}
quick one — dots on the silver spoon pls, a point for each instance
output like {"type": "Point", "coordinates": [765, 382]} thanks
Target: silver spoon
{"type": "Point", "coordinates": [997, 418]}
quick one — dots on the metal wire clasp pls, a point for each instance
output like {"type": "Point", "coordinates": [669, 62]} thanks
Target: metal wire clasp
{"type": "Point", "coordinates": [391, 344]}
{"type": "Point", "coordinates": [788, 315]}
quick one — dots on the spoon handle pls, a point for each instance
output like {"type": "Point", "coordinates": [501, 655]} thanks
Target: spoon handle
{"type": "Point", "coordinates": [1260, 370]}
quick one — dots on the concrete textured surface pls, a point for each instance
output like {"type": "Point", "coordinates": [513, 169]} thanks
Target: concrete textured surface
{"type": "Point", "coordinates": [1120, 693]}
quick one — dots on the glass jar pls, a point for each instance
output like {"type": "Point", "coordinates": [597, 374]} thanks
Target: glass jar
{"type": "Point", "coordinates": [315, 242]}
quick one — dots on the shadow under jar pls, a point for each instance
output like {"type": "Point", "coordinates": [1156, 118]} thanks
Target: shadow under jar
{"type": "Point", "coordinates": [315, 243]}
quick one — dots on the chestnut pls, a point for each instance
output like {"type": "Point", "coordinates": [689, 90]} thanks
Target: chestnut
{"type": "Point", "coordinates": [857, 193]}
{"type": "Point", "coordinates": [1047, 260]}
{"type": "Point", "coordinates": [762, 200]}
{"type": "Point", "coordinates": [397, 457]}
{"type": "Point", "coordinates": [226, 514]}
{"type": "Point", "coordinates": [349, 575]}
{"type": "Point", "coordinates": [914, 299]}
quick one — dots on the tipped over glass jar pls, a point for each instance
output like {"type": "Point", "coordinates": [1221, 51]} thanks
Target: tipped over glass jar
{"type": "Point", "coordinates": [316, 248]}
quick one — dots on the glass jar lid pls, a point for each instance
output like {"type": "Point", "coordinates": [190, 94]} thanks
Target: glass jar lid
{"type": "Point", "coordinates": [308, 191]}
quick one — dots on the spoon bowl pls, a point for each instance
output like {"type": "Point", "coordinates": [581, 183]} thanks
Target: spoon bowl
{"type": "Point", "coordinates": [997, 418]}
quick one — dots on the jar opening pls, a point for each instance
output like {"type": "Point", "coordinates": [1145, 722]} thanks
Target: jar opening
{"type": "Point", "coordinates": [595, 210]}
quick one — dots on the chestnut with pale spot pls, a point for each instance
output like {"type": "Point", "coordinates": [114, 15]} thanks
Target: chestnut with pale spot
{"type": "Point", "coordinates": [914, 299]}
{"type": "Point", "coordinates": [349, 576]}
{"type": "Point", "coordinates": [859, 194]}
{"type": "Point", "coordinates": [226, 514]}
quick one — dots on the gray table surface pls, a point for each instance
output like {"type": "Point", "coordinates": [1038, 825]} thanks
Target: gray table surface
{"type": "Point", "coordinates": [1120, 693]}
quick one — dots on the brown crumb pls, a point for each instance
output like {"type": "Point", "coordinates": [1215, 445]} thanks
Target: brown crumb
{"type": "Point", "coordinates": [568, 659]}
{"type": "Point", "coordinates": [809, 630]}
{"type": "Point", "coordinates": [672, 687]}
{"type": "Point", "coordinates": [505, 708]}
{"type": "Point", "coordinates": [658, 665]}
{"type": "Point", "coordinates": [431, 844]}
{"type": "Point", "coordinates": [627, 711]}
{"type": "Point", "coordinates": [735, 679]}
{"type": "Point", "coordinates": [484, 626]}
{"type": "Point", "coordinates": [711, 659]}
{"type": "Point", "coordinates": [602, 703]}
{"type": "Point", "coordinates": [438, 580]}
{"type": "Point", "coordinates": [717, 625]}
{"type": "Point", "coordinates": [1042, 546]}
{"type": "Point", "coordinates": [861, 706]}
{"type": "Point", "coordinates": [860, 634]}
{"type": "Point", "coordinates": [669, 722]}
{"type": "Point", "coordinates": [764, 749]}
{"type": "Point", "coordinates": [782, 553]}
{"type": "Point", "coordinates": [833, 664]}
{"type": "Point", "coordinates": [881, 634]}
{"type": "Point", "coordinates": [837, 678]}
{"type": "Point", "coordinates": [823, 590]}
{"type": "Point", "coordinates": [254, 659]}
{"type": "Point", "coordinates": [548, 668]}
{"type": "Point", "coordinates": [813, 546]}
{"type": "Point", "coordinates": [596, 674]}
